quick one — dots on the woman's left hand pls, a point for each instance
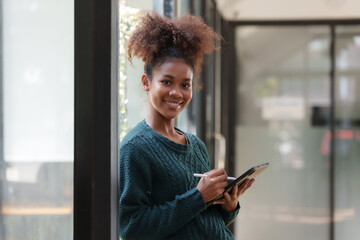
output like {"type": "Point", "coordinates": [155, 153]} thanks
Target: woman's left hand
{"type": "Point", "coordinates": [229, 202]}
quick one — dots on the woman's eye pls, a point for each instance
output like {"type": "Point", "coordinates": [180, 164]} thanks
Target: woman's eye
{"type": "Point", "coordinates": [186, 85]}
{"type": "Point", "coordinates": [166, 82]}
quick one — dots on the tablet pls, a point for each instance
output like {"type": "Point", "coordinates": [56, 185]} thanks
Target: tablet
{"type": "Point", "coordinates": [249, 174]}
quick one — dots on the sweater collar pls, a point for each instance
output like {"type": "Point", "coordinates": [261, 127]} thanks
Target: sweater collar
{"type": "Point", "coordinates": [168, 142]}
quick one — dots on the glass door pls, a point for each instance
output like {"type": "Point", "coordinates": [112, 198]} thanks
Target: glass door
{"type": "Point", "coordinates": [282, 106]}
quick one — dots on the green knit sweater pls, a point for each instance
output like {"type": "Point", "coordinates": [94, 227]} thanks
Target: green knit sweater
{"type": "Point", "coordinates": [158, 194]}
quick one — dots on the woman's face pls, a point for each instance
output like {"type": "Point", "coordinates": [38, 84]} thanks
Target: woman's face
{"type": "Point", "coordinates": [170, 89]}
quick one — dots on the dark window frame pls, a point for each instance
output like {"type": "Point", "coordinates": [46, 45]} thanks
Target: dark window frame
{"type": "Point", "coordinates": [96, 115]}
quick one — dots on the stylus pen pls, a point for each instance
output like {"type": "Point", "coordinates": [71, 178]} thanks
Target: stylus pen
{"type": "Point", "coordinates": [203, 175]}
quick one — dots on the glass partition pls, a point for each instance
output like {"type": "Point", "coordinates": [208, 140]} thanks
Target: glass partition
{"type": "Point", "coordinates": [37, 105]}
{"type": "Point", "coordinates": [283, 99]}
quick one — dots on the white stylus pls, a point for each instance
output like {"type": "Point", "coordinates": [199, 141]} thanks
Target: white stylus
{"type": "Point", "coordinates": [203, 175]}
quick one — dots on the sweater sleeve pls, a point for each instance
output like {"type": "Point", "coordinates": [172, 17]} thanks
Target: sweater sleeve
{"type": "Point", "coordinates": [229, 217]}
{"type": "Point", "coordinates": [139, 218]}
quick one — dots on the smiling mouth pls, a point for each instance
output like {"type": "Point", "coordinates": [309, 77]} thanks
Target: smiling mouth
{"type": "Point", "coordinates": [174, 104]}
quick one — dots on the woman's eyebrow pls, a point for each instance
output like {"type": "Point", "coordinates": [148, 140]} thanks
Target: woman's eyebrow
{"type": "Point", "coordinates": [168, 76]}
{"type": "Point", "coordinates": [172, 77]}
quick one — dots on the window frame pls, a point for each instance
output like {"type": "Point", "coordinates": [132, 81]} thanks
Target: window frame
{"type": "Point", "coordinates": [96, 120]}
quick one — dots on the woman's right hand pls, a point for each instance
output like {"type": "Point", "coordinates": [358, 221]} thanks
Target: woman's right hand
{"type": "Point", "coordinates": [213, 184]}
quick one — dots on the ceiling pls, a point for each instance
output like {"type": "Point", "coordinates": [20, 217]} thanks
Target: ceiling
{"type": "Point", "coordinates": [240, 10]}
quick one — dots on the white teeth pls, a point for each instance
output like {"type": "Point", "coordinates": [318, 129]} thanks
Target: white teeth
{"type": "Point", "coordinates": [173, 104]}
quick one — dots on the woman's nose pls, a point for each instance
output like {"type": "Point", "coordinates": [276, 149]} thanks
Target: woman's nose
{"type": "Point", "coordinates": [175, 93]}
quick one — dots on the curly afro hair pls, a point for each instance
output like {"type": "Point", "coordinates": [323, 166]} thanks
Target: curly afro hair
{"type": "Point", "coordinates": [158, 38]}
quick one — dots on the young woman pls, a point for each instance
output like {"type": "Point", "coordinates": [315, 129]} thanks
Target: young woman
{"type": "Point", "coordinates": [159, 196]}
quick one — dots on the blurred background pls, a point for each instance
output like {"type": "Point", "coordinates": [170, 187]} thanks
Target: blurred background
{"type": "Point", "coordinates": [282, 89]}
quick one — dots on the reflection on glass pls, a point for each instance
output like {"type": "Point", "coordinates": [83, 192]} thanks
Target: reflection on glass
{"type": "Point", "coordinates": [36, 164]}
{"type": "Point", "coordinates": [347, 110]}
{"type": "Point", "coordinates": [282, 92]}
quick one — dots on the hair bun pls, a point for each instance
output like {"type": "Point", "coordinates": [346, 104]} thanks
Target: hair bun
{"type": "Point", "coordinates": [156, 34]}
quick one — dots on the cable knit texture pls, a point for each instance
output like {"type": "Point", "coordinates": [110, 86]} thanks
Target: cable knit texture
{"type": "Point", "coordinates": [158, 194]}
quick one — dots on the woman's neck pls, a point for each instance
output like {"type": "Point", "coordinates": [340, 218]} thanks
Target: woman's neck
{"type": "Point", "coordinates": [161, 125]}
{"type": "Point", "coordinates": [165, 127]}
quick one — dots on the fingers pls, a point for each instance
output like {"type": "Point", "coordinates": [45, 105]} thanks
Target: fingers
{"type": "Point", "coordinates": [221, 180]}
{"type": "Point", "coordinates": [212, 184]}
{"type": "Point", "coordinates": [234, 192]}
{"type": "Point", "coordinates": [216, 173]}
{"type": "Point", "coordinates": [217, 176]}
{"type": "Point", "coordinates": [229, 202]}
{"type": "Point", "coordinates": [225, 200]}
{"type": "Point", "coordinates": [245, 186]}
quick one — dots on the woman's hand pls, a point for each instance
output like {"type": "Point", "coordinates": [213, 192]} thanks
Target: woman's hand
{"type": "Point", "coordinates": [229, 202]}
{"type": "Point", "coordinates": [213, 184]}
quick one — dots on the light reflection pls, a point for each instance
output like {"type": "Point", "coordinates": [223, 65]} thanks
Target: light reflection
{"type": "Point", "coordinates": [285, 148]}
{"type": "Point", "coordinates": [357, 40]}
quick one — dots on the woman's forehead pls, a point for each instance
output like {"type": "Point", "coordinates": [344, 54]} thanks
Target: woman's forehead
{"type": "Point", "coordinates": [174, 66]}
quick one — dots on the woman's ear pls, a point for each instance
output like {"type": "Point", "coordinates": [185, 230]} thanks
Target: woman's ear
{"type": "Point", "coordinates": [145, 82]}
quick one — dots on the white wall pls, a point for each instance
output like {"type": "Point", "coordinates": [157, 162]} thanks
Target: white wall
{"type": "Point", "coordinates": [289, 9]}
{"type": "Point", "coordinates": [140, 4]}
